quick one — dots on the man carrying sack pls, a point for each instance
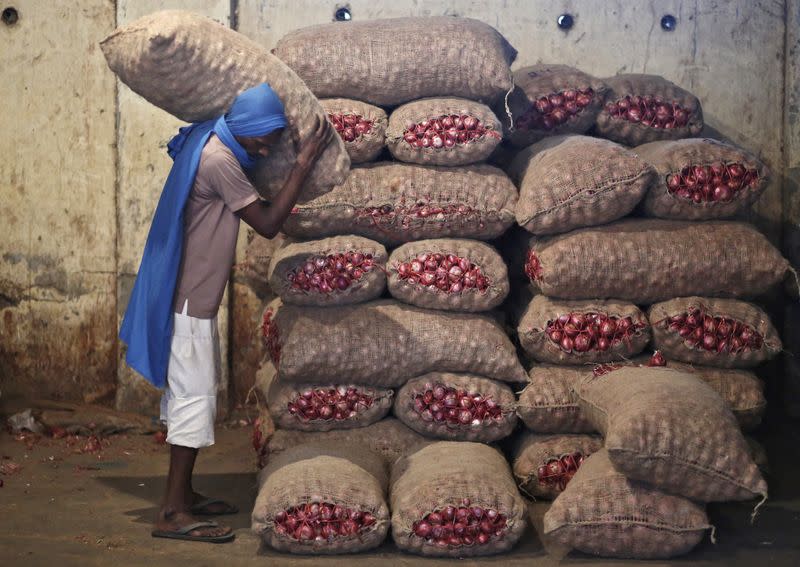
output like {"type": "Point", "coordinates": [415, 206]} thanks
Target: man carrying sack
{"type": "Point", "coordinates": [170, 324]}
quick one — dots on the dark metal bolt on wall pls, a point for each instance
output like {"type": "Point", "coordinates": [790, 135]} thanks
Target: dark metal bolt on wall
{"type": "Point", "coordinates": [342, 14]}
{"type": "Point", "coordinates": [669, 23]}
{"type": "Point", "coordinates": [565, 21]}
{"type": "Point", "coordinates": [10, 16]}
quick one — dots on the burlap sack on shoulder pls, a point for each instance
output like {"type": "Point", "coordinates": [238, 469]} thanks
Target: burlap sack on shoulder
{"type": "Point", "coordinates": [547, 404]}
{"type": "Point", "coordinates": [538, 343]}
{"type": "Point", "coordinates": [455, 474]}
{"type": "Point", "coordinates": [669, 317]}
{"type": "Point", "coordinates": [645, 261]}
{"type": "Point", "coordinates": [391, 61]}
{"type": "Point", "coordinates": [284, 401]}
{"type": "Point", "coordinates": [412, 411]}
{"type": "Point", "coordinates": [548, 80]}
{"type": "Point", "coordinates": [544, 464]}
{"type": "Point", "coordinates": [365, 147]}
{"type": "Point", "coordinates": [603, 513]}
{"type": "Point", "coordinates": [384, 343]}
{"type": "Point", "coordinates": [637, 133]}
{"type": "Point", "coordinates": [481, 256]}
{"type": "Point", "coordinates": [669, 158]}
{"type": "Point", "coordinates": [395, 203]}
{"type": "Point", "coordinates": [569, 182]}
{"type": "Point", "coordinates": [422, 111]}
{"type": "Point", "coordinates": [292, 258]}
{"type": "Point", "coordinates": [673, 431]}
{"type": "Point", "coordinates": [346, 475]}
{"type": "Point", "coordinates": [389, 438]}
{"type": "Point", "coordinates": [194, 67]}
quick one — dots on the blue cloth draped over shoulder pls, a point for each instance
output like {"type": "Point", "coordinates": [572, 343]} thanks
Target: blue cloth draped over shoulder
{"type": "Point", "coordinates": [147, 326]}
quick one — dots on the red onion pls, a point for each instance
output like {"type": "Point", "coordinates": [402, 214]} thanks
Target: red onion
{"type": "Point", "coordinates": [446, 131]}
{"type": "Point", "coordinates": [556, 472]}
{"type": "Point", "coordinates": [350, 126]}
{"type": "Point", "coordinates": [549, 112]}
{"type": "Point", "coordinates": [326, 274]}
{"type": "Point", "coordinates": [583, 332]}
{"type": "Point", "coordinates": [460, 526]}
{"type": "Point", "coordinates": [450, 274]}
{"type": "Point", "coordinates": [652, 111]}
{"type": "Point", "coordinates": [455, 407]}
{"type": "Point", "coordinates": [321, 522]}
{"type": "Point", "coordinates": [711, 183]}
{"type": "Point", "coordinates": [718, 334]}
{"type": "Point", "coordinates": [332, 403]}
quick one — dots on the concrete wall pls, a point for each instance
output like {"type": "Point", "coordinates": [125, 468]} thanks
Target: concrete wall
{"type": "Point", "coordinates": [58, 205]}
{"type": "Point", "coordinates": [77, 219]}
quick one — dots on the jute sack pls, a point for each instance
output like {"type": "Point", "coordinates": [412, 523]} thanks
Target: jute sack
{"type": "Point", "coordinates": [487, 406]}
{"type": "Point", "coordinates": [364, 281]}
{"type": "Point", "coordinates": [405, 119]}
{"type": "Point", "coordinates": [671, 430]}
{"type": "Point", "coordinates": [366, 146]}
{"type": "Point", "coordinates": [194, 67]}
{"type": "Point", "coordinates": [545, 464]}
{"type": "Point", "coordinates": [389, 438]}
{"type": "Point", "coordinates": [541, 332]}
{"type": "Point", "coordinates": [450, 290]}
{"type": "Point", "coordinates": [454, 474]}
{"type": "Point", "coordinates": [547, 404]}
{"type": "Point", "coordinates": [627, 260]}
{"type": "Point", "coordinates": [384, 343]}
{"type": "Point", "coordinates": [395, 203]}
{"type": "Point", "coordinates": [569, 182]}
{"type": "Point", "coordinates": [253, 269]}
{"type": "Point", "coordinates": [742, 391]}
{"type": "Point", "coordinates": [601, 512]}
{"type": "Point", "coordinates": [269, 330]}
{"type": "Point", "coordinates": [347, 476]}
{"type": "Point", "coordinates": [392, 61]}
{"type": "Point", "coordinates": [739, 334]}
{"type": "Point", "coordinates": [321, 407]}
{"type": "Point", "coordinates": [672, 158]}
{"type": "Point", "coordinates": [551, 81]}
{"type": "Point", "coordinates": [637, 133]}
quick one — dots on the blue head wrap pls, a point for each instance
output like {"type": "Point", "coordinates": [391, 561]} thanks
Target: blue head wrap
{"type": "Point", "coordinates": [147, 326]}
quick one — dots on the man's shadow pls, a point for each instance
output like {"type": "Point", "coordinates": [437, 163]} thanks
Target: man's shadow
{"type": "Point", "coordinates": [236, 488]}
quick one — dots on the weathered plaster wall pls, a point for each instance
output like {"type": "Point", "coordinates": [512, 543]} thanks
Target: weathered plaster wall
{"type": "Point", "coordinates": [57, 211]}
{"type": "Point", "coordinates": [75, 212]}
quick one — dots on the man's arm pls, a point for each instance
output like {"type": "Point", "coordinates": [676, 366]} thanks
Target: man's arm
{"type": "Point", "coordinates": [267, 218]}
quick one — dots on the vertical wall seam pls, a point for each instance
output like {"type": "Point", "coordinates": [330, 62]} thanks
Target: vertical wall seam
{"type": "Point", "coordinates": [785, 123]}
{"type": "Point", "coordinates": [234, 15]}
{"type": "Point", "coordinates": [117, 186]}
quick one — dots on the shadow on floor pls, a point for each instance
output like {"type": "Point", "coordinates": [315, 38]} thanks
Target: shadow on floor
{"type": "Point", "coordinates": [237, 488]}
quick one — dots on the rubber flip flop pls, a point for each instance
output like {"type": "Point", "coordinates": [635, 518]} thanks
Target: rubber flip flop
{"type": "Point", "coordinates": [183, 533]}
{"type": "Point", "coordinates": [200, 509]}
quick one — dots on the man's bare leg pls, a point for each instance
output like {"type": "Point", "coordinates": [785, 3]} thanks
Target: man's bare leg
{"type": "Point", "coordinates": [179, 496]}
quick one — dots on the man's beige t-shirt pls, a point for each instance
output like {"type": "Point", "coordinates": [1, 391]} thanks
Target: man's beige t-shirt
{"type": "Point", "coordinates": [211, 228]}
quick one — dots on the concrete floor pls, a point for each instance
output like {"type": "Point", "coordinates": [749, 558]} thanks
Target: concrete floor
{"type": "Point", "coordinates": [66, 508]}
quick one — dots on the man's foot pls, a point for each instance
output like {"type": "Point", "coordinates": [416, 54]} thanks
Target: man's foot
{"type": "Point", "coordinates": [202, 506]}
{"type": "Point", "coordinates": [180, 525]}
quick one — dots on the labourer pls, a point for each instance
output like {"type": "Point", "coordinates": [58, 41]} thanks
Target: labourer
{"type": "Point", "coordinates": [170, 324]}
